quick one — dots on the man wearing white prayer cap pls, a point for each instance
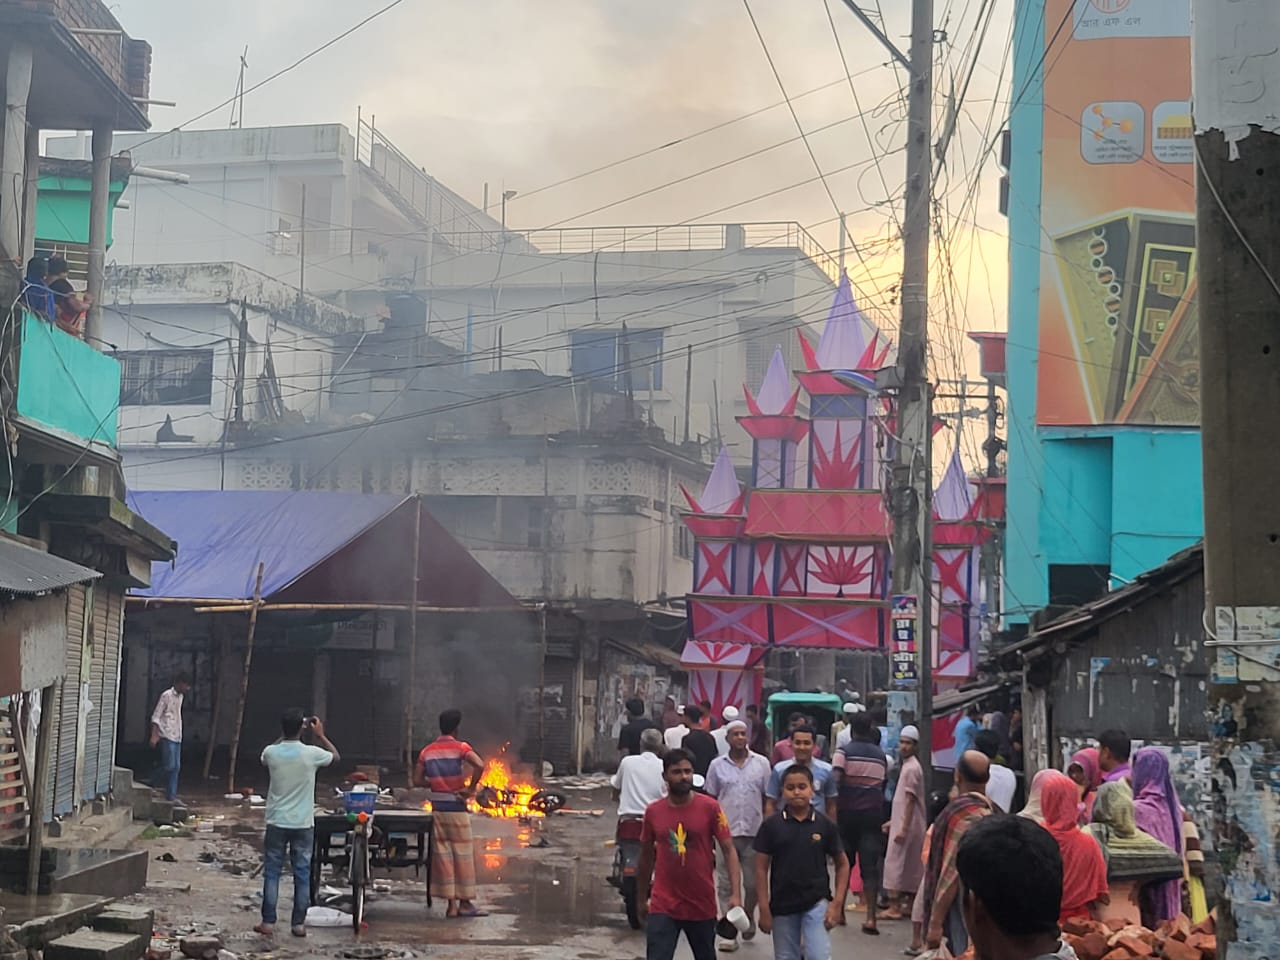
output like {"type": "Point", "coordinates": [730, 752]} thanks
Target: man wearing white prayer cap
{"type": "Point", "coordinates": [902, 867]}
{"type": "Point", "coordinates": [721, 733]}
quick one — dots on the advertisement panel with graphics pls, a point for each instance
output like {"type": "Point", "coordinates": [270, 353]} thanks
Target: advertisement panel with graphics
{"type": "Point", "coordinates": [1118, 320]}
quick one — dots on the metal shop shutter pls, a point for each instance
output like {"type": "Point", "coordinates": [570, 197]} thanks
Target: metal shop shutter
{"type": "Point", "coordinates": [66, 707]}
{"type": "Point", "coordinates": [99, 737]}
{"type": "Point", "coordinates": [560, 682]}
{"type": "Point", "coordinates": [108, 706]}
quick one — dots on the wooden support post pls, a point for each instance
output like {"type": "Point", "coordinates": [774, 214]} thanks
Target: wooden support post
{"type": "Point", "coordinates": [244, 681]}
{"type": "Point", "coordinates": [36, 799]}
{"type": "Point", "coordinates": [413, 641]}
{"type": "Point", "coordinates": [219, 679]}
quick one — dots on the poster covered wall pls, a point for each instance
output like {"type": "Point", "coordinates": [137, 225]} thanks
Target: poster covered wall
{"type": "Point", "coordinates": [1118, 322]}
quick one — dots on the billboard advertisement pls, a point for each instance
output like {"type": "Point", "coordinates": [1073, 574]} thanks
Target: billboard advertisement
{"type": "Point", "coordinates": [1118, 323]}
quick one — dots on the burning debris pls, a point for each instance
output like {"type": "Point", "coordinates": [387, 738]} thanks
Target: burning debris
{"type": "Point", "coordinates": [500, 794]}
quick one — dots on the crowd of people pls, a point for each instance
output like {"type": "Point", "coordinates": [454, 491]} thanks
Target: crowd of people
{"type": "Point", "coordinates": [798, 834]}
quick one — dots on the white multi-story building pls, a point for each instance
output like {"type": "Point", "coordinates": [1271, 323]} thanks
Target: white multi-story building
{"type": "Point", "coordinates": [349, 218]}
{"type": "Point", "coordinates": [549, 391]}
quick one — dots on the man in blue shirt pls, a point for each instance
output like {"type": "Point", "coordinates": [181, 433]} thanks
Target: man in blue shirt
{"type": "Point", "coordinates": [291, 815]}
{"type": "Point", "coordinates": [966, 730]}
{"type": "Point", "coordinates": [804, 740]}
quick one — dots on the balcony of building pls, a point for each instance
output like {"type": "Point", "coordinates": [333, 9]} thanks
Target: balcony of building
{"type": "Point", "coordinates": [84, 68]}
{"type": "Point", "coordinates": [62, 387]}
{"type": "Point", "coordinates": [67, 65]}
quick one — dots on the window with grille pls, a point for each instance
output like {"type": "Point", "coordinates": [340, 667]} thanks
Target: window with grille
{"type": "Point", "coordinates": [759, 338]}
{"type": "Point", "coordinates": [76, 255]}
{"type": "Point", "coordinates": [165, 377]}
{"type": "Point", "coordinates": [684, 541]}
{"type": "Point", "coordinates": [604, 355]}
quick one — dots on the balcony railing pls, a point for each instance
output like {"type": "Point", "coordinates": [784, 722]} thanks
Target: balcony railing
{"type": "Point", "coordinates": [658, 238]}
{"type": "Point", "coordinates": [65, 386]}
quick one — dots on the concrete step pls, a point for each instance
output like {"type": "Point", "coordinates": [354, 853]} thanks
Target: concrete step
{"type": "Point", "coordinates": [92, 945]}
{"type": "Point", "coordinates": [119, 918]}
{"type": "Point", "coordinates": [107, 873]}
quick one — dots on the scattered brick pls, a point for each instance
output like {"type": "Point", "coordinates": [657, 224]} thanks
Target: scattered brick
{"type": "Point", "coordinates": [1177, 950]}
{"type": "Point", "coordinates": [1092, 946]}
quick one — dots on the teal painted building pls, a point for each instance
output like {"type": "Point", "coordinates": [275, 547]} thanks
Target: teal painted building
{"type": "Point", "coordinates": [1089, 507]}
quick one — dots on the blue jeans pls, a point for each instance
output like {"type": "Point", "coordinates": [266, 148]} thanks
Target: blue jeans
{"type": "Point", "coordinates": [662, 933]}
{"type": "Point", "coordinates": [299, 843]}
{"type": "Point", "coordinates": [797, 935]}
{"type": "Point", "coordinates": [170, 764]}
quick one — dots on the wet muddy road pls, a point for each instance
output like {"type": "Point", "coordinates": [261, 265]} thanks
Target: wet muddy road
{"type": "Point", "coordinates": [547, 902]}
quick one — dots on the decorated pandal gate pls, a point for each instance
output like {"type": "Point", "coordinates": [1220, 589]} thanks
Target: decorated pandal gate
{"type": "Point", "coordinates": [800, 558]}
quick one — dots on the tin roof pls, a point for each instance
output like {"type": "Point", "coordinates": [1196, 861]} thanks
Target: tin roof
{"type": "Point", "coordinates": [25, 571]}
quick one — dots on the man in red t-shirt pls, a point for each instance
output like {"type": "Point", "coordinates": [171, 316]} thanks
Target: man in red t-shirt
{"type": "Point", "coordinates": [679, 837]}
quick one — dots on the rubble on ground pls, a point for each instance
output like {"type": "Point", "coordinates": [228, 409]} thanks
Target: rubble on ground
{"type": "Point", "coordinates": [1176, 939]}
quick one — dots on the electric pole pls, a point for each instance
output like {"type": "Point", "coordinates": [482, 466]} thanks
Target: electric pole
{"type": "Point", "coordinates": [911, 483]}
{"type": "Point", "coordinates": [1235, 86]}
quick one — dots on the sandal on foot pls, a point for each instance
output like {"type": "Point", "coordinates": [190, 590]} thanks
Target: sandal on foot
{"type": "Point", "coordinates": [871, 930]}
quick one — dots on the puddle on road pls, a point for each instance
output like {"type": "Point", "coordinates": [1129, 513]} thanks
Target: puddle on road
{"type": "Point", "coordinates": [534, 897]}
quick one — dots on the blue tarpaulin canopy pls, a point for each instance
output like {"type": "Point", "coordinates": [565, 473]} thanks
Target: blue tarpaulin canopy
{"type": "Point", "coordinates": [314, 547]}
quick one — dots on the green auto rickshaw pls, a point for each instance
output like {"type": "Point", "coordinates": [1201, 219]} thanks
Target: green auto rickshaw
{"type": "Point", "coordinates": [825, 708]}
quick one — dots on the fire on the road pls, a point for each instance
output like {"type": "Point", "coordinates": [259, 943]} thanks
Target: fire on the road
{"type": "Point", "coordinates": [500, 795]}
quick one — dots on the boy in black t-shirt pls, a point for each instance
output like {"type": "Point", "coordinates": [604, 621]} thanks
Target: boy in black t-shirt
{"type": "Point", "coordinates": [793, 847]}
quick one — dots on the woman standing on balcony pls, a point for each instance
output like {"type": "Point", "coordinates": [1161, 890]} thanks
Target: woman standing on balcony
{"type": "Point", "coordinates": [71, 306]}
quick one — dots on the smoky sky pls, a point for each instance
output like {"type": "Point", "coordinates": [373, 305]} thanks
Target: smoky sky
{"type": "Point", "coordinates": [523, 94]}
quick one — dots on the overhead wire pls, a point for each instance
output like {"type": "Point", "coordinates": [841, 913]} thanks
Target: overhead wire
{"type": "Point", "coordinates": [804, 136]}
{"type": "Point", "coordinates": [316, 51]}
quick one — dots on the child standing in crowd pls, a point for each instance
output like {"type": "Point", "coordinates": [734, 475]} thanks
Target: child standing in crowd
{"type": "Point", "coordinates": [793, 847]}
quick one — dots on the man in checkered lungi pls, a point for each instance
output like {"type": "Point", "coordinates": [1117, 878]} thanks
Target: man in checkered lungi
{"type": "Point", "coordinates": [443, 767]}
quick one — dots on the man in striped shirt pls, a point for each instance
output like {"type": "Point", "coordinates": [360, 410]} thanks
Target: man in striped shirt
{"type": "Point", "coordinates": [450, 769]}
{"type": "Point", "coordinates": [861, 768]}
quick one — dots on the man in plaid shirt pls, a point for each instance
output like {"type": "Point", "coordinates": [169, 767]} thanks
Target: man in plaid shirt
{"type": "Point", "coordinates": [942, 881]}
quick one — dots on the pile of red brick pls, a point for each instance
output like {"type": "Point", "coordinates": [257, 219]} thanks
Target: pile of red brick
{"type": "Point", "coordinates": [1113, 940]}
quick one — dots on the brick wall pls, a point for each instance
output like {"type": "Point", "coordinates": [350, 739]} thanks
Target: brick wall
{"type": "Point", "coordinates": [127, 62]}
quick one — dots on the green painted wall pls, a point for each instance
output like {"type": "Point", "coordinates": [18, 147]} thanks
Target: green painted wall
{"type": "Point", "coordinates": [65, 385]}
{"type": "Point", "coordinates": [62, 209]}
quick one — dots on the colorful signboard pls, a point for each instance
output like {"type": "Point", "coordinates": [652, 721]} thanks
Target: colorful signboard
{"type": "Point", "coordinates": [903, 613]}
{"type": "Point", "coordinates": [1118, 319]}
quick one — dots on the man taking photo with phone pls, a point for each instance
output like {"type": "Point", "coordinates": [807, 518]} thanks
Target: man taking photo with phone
{"type": "Point", "coordinates": [291, 820]}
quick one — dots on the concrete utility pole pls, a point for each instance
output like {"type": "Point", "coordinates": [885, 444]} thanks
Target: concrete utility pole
{"type": "Point", "coordinates": [912, 482]}
{"type": "Point", "coordinates": [1236, 95]}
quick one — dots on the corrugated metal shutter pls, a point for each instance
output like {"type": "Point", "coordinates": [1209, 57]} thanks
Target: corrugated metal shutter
{"type": "Point", "coordinates": [365, 702]}
{"type": "Point", "coordinates": [560, 680]}
{"type": "Point", "coordinates": [66, 707]}
{"type": "Point", "coordinates": [102, 649]}
{"type": "Point", "coordinates": [109, 705]}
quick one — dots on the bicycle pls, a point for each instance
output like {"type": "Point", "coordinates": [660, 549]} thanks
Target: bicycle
{"type": "Point", "coordinates": [360, 806]}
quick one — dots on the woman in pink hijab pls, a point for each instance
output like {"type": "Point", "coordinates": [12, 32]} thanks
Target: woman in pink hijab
{"type": "Point", "coordinates": [1033, 811]}
{"type": "Point", "coordinates": [1085, 770]}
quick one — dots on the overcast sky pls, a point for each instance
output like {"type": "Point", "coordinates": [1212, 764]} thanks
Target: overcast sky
{"type": "Point", "coordinates": [523, 94]}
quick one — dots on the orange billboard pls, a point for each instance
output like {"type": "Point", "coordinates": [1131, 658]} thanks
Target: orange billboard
{"type": "Point", "coordinates": [1118, 324]}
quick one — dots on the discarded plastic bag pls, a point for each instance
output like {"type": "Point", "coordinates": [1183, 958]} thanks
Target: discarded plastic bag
{"type": "Point", "coordinates": [327, 917]}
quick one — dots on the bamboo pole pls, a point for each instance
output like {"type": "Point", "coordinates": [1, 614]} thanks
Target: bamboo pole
{"type": "Point", "coordinates": [411, 686]}
{"type": "Point", "coordinates": [244, 681]}
{"type": "Point", "coordinates": [220, 677]}
{"type": "Point", "coordinates": [243, 607]}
